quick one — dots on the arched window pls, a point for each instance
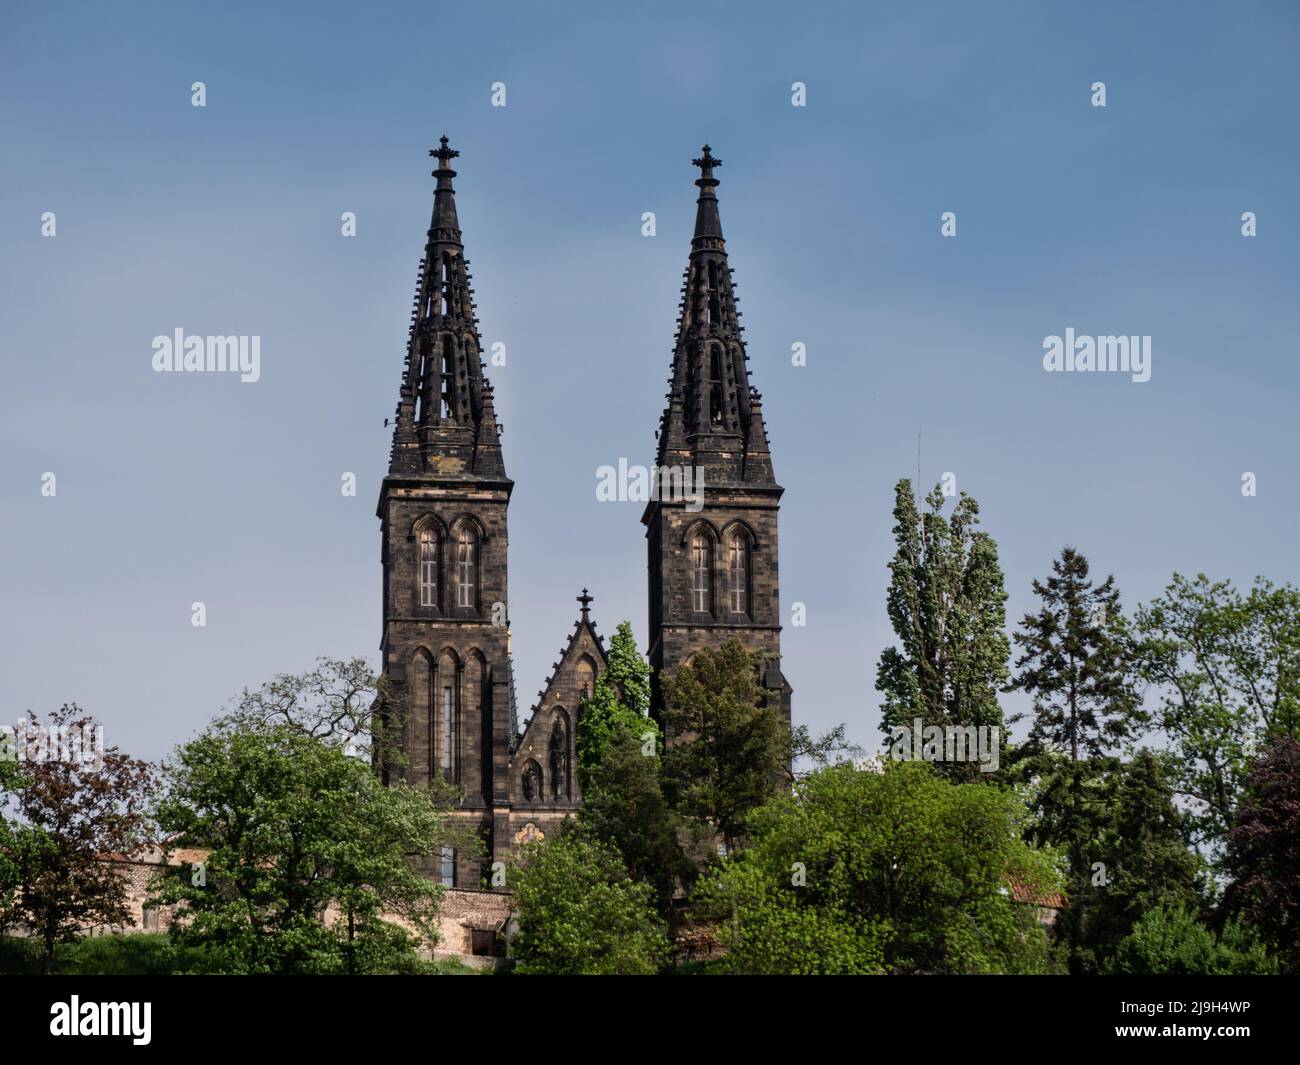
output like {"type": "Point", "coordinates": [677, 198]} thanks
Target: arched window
{"type": "Point", "coordinates": [701, 575]}
{"type": "Point", "coordinates": [448, 743]}
{"type": "Point", "coordinates": [421, 728]}
{"type": "Point", "coordinates": [446, 726]}
{"type": "Point", "coordinates": [466, 567]}
{"type": "Point", "coordinates": [714, 309]}
{"type": "Point", "coordinates": [532, 781]}
{"type": "Point", "coordinates": [738, 573]}
{"type": "Point", "coordinates": [428, 566]}
{"type": "Point", "coordinates": [559, 757]}
{"type": "Point", "coordinates": [447, 870]}
{"type": "Point", "coordinates": [444, 287]}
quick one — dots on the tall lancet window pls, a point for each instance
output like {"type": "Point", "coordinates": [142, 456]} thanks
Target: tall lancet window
{"type": "Point", "coordinates": [428, 567]}
{"type": "Point", "coordinates": [738, 573]}
{"type": "Point", "coordinates": [701, 574]}
{"type": "Point", "coordinates": [715, 314]}
{"type": "Point", "coordinates": [445, 408]}
{"type": "Point", "coordinates": [444, 287]}
{"type": "Point", "coordinates": [466, 568]}
{"type": "Point", "coordinates": [448, 762]}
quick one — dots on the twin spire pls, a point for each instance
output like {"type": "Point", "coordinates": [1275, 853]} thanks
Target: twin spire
{"type": "Point", "coordinates": [446, 422]}
{"type": "Point", "coordinates": [713, 418]}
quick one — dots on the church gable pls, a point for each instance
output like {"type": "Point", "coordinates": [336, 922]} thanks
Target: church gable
{"type": "Point", "coordinates": [542, 772]}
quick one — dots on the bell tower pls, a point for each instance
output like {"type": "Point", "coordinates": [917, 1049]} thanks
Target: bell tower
{"type": "Point", "coordinates": [713, 567]}
{"type": "Point", "coordinates": [442, 512]}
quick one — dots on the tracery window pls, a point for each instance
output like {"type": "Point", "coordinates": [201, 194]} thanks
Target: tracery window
{"type": "Point", "coordinates": [701, 574]}
{"type": "Point", "coordinates": [428, 567]}
{"type": "Point", "coordinates": [738, 573]}
{"type": "Point", "coordinates": [466, 568]}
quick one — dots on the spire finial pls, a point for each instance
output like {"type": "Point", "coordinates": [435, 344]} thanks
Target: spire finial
{"type": "Point", "coordinates": [586, 601]}
{"type": "Point", "coordinates": [443, 154]}
{"type": "Point", "coordinates": [706, 163]}
{"type": "Point", "coordinates": [708, 226]}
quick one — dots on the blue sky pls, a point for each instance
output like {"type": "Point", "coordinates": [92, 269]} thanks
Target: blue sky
{"type": "Point", "coordinates": [176, 488]}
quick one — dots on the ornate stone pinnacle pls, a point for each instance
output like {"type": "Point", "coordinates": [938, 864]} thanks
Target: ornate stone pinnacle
{"type": "Point", "coordinates": [443, 154]}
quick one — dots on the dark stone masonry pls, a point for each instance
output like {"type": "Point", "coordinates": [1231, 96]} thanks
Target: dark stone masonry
{"type": "Point", "coordinates": [442, 507]}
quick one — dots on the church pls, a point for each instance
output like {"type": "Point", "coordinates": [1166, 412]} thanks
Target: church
{"type": "Point", "coordinates": [450, 692]}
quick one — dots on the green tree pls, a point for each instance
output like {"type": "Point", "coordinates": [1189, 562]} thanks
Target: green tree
{"type": "Point", "coordinates": [730, 747]}
{"type": "Point", "coordinates": [624, 806]}
{"type": "Point", "coordinates": [71, 808]}
{"type": "Point", "coordinates": [1073, 664]}
{"type": "Point", "coordinates": [890, 871]}
{"type": "Point", "coordinates": [1263, 856]}
{"type": "Point", "coordinates": [1226, 669]}
{"type": "Point", "coordinates": [580, 913]}
{"type": "Point", "coordinates": [1138, 860]}
{"type": "Point", "coordinates": [810, 752]}
{"type": "Point", "coordinates": [1172, 942]}
{"type": "Point", "coordinates": [293, 826]}
{"type": "Point", "coordinates": [947, 605]}
{"type": "Point", "coordinates": [335, 702]}
{"type": "Point", "coordinates": [619, 702]}
{"type": "Point", "coordinates": [10, 870]}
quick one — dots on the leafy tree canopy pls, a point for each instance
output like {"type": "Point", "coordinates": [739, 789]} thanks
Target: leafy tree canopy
{"type": "Point", "coordinates": [890, 871]}
{"type": "Point", "coordinates": [730, 747]}
{"type": "Point", "coordinates": [620, 702]}
{"type": "Point", "coordinates": [580, 913]}
{"type": "Point", "coordinates": [70, 810]}
{"type": "Point", "coordinates": [1264, 852]}
{"type": "Point", "coordinates": [1172, 942]}
{"type": "Point", "coordinates": [1225, 668]}
{"type": "Point", "coordinates": [296, 827]}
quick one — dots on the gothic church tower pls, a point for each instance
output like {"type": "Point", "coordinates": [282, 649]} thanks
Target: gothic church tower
{"type": "Point", "coordinates": [443, 513]}
{"type": "Point", "coordinates": [713, 571]}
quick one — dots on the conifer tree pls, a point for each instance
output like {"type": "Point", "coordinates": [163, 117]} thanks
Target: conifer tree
{"type": "Point", "coordinates": [1139, 860]}
{"type": "Point", "coordinates": [1073, 665]}
{"type": "Point", "coordinates": [731, 748]}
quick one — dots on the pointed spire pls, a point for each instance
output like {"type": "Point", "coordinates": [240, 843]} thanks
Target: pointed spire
{"type": "Point", "coordinates": [712, 418]}
{"type": "Point", "coordinates": [445, 226]}
{"type": "Point", "coordinates": [445, 420]}
{"type": "Point", "coordinates": [708, 224]}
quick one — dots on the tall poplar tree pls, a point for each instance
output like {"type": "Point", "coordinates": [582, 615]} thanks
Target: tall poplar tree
{"type": "Point", "coordinates": [947, 604]}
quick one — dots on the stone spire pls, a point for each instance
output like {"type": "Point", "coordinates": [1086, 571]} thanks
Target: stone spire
{"type": "Point", "coordinates": [711, 418]}
{"type": "Point", "coordinates": [445, 422]}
